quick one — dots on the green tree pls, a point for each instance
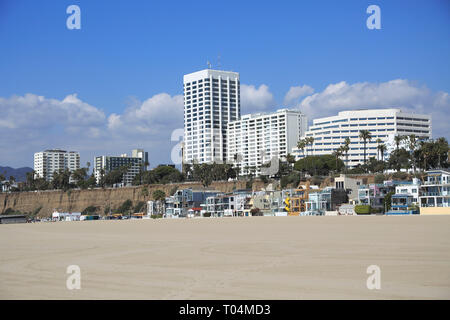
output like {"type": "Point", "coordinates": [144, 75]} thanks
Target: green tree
{"type": "Point", "coordinates": [91, 182]}
{"type": "Point", "coordinates": [337, 153]}
{"type": "Point", "coordinates": [365, 136]}
{"type": "Point", "coordinates": [379, 141]}
{"type": "Point", "coordinates": [399, 159]}
{"type": "Point", "coordinates": [89, 210]}
{"type": "Point", "coordinates": [345, 149]}
{"type": "Point", "coordinates": [139, 207]}
{"type": "Point", "coordinates": [320, 165]}
{"type": "Point", "coordinates": [387, 201]}
{"type": "Point", "coordinates": [301, 144]}
{"type": "Point", "coordinates": [125, 207]}
{"type": "Point", "coordinates": [2, 178]}
{"type": "Point", "coordinates": [61, 179]}
{"type": "Point", "coordinates": [80, 176]}
{"type": "Point", "coordinates": [398, 139]}
{"type": "Point", "coordinates": [310, 142]}
{"type": "Point", "coordinates": [381, 148]}
{"type": "Point", "coordinates": [203, 173]}
{"type": "Point", "coordinates": [412, 145]}
{"type": "Point", "coordinates": [291, 160]}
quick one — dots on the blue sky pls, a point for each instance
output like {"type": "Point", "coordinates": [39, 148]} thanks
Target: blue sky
{"type": "Point", "coordinates": [128, 53]}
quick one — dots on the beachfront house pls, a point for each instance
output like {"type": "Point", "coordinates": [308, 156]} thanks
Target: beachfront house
{"type": "Point", "coordinates": [178, 205]}
{"type": "Point", "coordinates": [402, 204]}
{"type": "Point", "coordinates": [350, 184]}
{"type": "Point", "coordinates": [435, 193]}
{"type": "Point", "coordinates": [410, 188]}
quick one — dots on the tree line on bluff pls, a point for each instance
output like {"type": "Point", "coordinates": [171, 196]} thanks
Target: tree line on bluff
{"type": "Point", "coordinates": [425, 155]}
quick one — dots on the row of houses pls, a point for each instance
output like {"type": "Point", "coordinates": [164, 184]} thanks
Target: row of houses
{"type": "Point", "coordinates": [430, 196]}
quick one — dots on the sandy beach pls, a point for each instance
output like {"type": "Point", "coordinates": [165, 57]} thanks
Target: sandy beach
{"type": "Point", "coordinates": [229, 258]}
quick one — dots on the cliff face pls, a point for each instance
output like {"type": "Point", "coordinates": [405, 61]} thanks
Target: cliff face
{"type": "Point", "coordinates": [78, 200]}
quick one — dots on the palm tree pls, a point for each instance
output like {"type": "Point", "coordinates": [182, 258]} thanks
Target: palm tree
{"type": "Point", "coordinates": [365, 135]}
{"type": "Point", "coordinates": [290, 158]}
{"type": "Point", "coordinates": [301, 144]}
{"type": "Point", "coordinates": [237, 164]}
{"type": "Point", "coordinates": [441, 146]}
{"type": "Point", "coordinates": [412, 144]}
{"type": "Point", "coordinates": [398, 139]}
{"type": "Point", "coordinates": [345, 148]}
{"type": "Point", "coordinates": [337, 153]}
{"type": "Point", "coordinates": [310, 141]}
{"type": "Point", "coordinates": [378, 144]}
{"type": "Point", "coordinates": [2, 178]}
{"type": "Point", "coordinates": [381, 150]}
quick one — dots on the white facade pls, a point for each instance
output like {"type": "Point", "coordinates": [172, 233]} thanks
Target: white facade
{"type": "Point", "coordinates": [435, 192]}
{"type": "Point", "coordinates": [410, 189]}
{"type": "Point", "coordinates": [211, 100]}
{"type": "Point", "coordinates": [49, 161]}
{"type": "Point", "coordinates": [136, 164]}
{"type": "Point", "coordinates": [329, 133]}
{"type": "Point", "coordinates": [256, 138]}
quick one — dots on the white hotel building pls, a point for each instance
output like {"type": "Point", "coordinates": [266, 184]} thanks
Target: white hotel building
{"type": "Point", "coordinates": [256, 138]}
{"type": "Point", "coordinates": [329, 133]}
{"type": "Point", "coordinates": [49, 161]}
{"type": "Point", "coordinates": [211, 100]}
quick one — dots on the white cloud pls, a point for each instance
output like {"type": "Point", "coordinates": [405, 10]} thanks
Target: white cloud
{"type": "Point", "coordinates": [157, 113]}
{"type": "Point", "coordinates": [256, 99]}
{"type": "Point", "coordinates": [295, 93]}
{"type": "Point", "coordinates": [32, 123]}
{"type": "Point", "coordinates": [398, 93]}
{"type": "Point", "coordinates": [32, 112]}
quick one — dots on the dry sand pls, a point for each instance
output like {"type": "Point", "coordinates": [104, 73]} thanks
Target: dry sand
{"type": "Point", "coordinates": [229, 258]}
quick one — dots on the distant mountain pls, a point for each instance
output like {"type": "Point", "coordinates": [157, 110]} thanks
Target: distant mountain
{"type": "Point", "coordinates": [19, 174]}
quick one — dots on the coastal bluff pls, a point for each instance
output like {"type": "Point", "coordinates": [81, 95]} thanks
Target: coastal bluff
{"type": "Point", "coordinates": [76, 200]}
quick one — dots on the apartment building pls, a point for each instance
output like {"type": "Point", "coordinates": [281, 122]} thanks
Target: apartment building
{"type": "Point", "coordinates": [211, 100]}
{"type": "Point", "coordinates": [48, 161]}
{"type": "Point", "coordinates": [330, 133]}
{"type": "Point", "coordinates": [434, 195]}
{"type": "Point", "coordinates": [255, 139]}
{"type": "Point", "coordinates": [136, 162]}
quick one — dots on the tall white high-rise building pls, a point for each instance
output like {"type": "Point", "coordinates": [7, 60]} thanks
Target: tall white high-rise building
{"type": "Point", "coordinates": [211, 100]}
{"type": "Point", "coordinates": [255, 139]}
{"type": "Point", "coordinates": [48, 161]}
{"type": "Point", "coordinates": [330, 133]}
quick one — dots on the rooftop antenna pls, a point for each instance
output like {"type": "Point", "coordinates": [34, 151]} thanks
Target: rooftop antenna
{"type": "Point", "coordinates": [209, 64]}
{"type": "Point", "coordinates": [218, 62]}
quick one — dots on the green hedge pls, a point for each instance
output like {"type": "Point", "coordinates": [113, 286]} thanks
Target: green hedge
{"type": "Point", "coordinates": [362, 209]}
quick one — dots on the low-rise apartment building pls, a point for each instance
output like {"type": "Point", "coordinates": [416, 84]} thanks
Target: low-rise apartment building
{"type": "Point", "coordinates": [331, 132]}
{"type": "Point", "coordinates": [135, 163]}
{"type": "Point", "coordinates": [54, 160]}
